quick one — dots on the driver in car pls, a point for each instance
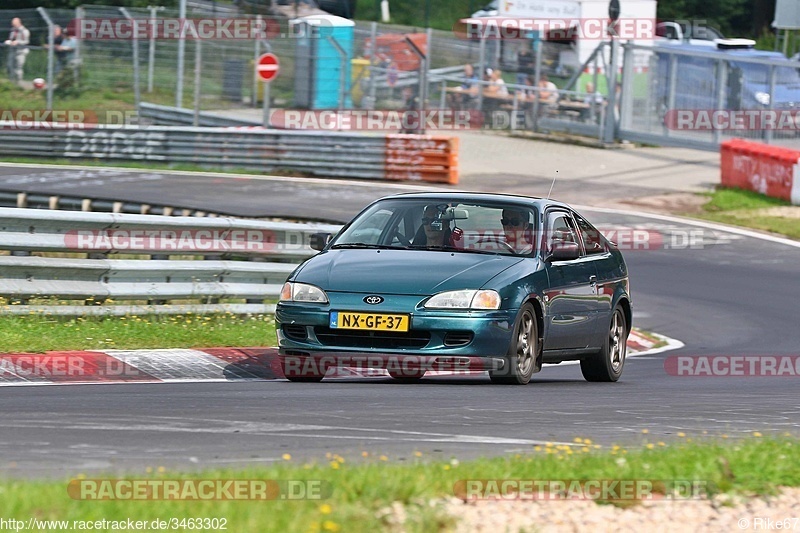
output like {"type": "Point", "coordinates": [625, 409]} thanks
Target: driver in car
{"type": "Point", "coordinates": [435, 231]}
{"type": "Point", "coordinates": [516, 230]}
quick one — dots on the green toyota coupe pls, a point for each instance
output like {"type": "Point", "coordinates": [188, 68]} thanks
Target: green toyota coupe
{"type": "Point", "coordinates": [431, 282]}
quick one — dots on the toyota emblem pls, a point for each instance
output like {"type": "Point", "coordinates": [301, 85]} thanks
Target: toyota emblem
{"type": "Point", "coordinates": [373, 299]}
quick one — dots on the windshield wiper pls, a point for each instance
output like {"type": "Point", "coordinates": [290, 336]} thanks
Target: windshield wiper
{"type": "Point", "coordinates": [364, 245]}
{"type": "Point", "coordinates": [447, 248]}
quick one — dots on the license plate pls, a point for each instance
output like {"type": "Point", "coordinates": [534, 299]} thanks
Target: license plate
{"type": "Point", "coordinates": [368, 321]}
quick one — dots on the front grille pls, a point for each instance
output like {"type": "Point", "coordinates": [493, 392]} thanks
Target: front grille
{"type": "Point", "coordinates": [371, 339]}
{"type": "Point", "coordinates": [293, 331]}
{"type": "Point", "coordinates": [458, 338]}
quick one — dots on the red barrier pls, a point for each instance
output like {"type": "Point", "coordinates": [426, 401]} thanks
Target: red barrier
{"type": "Point", "coordinates": [763, 168]}
{"type": "Point", "coordinates": [432, 158]}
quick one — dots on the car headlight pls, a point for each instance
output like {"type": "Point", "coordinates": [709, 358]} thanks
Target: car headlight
{"type": "Point", "coordinates": [466, 299]}
{"type": "Point", "coordinates": [302, 292]}
{"type": "Point", "coordinates": [762, 98]}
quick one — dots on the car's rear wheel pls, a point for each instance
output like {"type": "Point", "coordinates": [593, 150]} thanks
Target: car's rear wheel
{"type": "Point", "coordinates": [521, 359]}
{"type": "Point", "coordinates": [606, 365]}
{"type": "Point", "coordinates": [410, 375]}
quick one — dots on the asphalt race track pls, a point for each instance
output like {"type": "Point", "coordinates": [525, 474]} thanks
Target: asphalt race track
{"type": "Point", "coordinates": [730, 294]}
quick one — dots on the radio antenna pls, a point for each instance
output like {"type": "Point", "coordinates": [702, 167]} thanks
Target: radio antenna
{"type": "Point", "coordinates": [551, 186]}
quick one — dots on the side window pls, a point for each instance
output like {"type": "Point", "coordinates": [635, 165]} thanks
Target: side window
{"type": "Point", "coordinates": [560, 229]}
{"type": "Point", "coordinates": [592, 240]}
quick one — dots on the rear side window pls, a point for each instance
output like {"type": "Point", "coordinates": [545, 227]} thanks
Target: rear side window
{"type": "Point", "coordinates": [561, 229]}
{"type": "Point", "coordinates": [592, 239]}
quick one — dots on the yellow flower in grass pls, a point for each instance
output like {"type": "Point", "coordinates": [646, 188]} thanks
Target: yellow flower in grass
{"type": "Point", "coordinates": [287, 457]}
{"type": "Point", "coordinates": [327, 525]}
{"type": "Point", "coordinates": [325, 508]}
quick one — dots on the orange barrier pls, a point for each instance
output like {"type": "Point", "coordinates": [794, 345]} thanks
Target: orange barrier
{"type": "Point", "coordinates": [432, 158]}
{"type": "Point", "coordinates": [770, 170]}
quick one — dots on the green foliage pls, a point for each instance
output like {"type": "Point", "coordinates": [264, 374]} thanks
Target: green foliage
{"type": "Point", "coordinates": [71, 4]}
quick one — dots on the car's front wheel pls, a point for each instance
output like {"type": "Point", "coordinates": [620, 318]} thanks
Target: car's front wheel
{"type": "Point", "coordinates": [301, 370]}
{"type": "Point", "coordinates": [606, 365]}
{"type": "Point", "coordinates": [520, 361]}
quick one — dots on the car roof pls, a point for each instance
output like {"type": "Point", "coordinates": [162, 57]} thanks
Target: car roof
{"type": "Point", "coordinates": [527, 201]}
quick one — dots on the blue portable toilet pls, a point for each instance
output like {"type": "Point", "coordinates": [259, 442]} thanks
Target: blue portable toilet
{"type": "Point", "coordinates": [318, 62]}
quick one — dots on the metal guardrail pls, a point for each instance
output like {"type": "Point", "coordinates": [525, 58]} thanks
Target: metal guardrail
{"type": "Point", "coordinates": [321, 153]}
{"type": "Point", "coordinates": [214, 259]}
{"type": "Point", "coordinates": [163, 115]}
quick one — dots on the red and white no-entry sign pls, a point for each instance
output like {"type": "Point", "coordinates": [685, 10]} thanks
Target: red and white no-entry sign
{"type": "Point", "coordinates": [267, 67]}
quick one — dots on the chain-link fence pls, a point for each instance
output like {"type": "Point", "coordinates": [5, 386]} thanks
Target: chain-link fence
{"type": "Point", "coordinates": [701, 96]}
{"type": "Point", "coordinates": [364, 66]}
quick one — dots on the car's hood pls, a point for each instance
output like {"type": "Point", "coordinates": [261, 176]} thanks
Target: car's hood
{"type": "Point", "coordinates": [418, 272]}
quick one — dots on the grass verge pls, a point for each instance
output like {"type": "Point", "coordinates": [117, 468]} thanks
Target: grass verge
{"type": "Point", "coordinates": [751, 210]}
{"type": "Point", "coordinates": [39, 333]}
{"type": "Point", "coordinates": [361, 492]}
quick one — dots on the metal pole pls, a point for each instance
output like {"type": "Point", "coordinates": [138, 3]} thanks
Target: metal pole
{"type": "Point", "coordinates": [611, 119]}
{"type": "Point", "coordinates": [423, 83]}
{"type": "Point", "coordinates": [537, 73]}
{"type": "Point", "coordinates": [481, 69]}
{"type": "Point", "coordinates": [151, 52]}
{"type": "Point", "coordinates": [266, 113]}
{"type": "Point", "coordinates": [80, 14]}
{"type": "Point", "coordinates": [428, 55]}
{"type": "Point", "coordinates": [265, 92]}
{"type": "Point", "coordinates": [771, 105]}
{"type": "Point", "coordinates": [373, 85]}
{"type": "Point", "coordinates": [673, 86]}
{"type": "Point", "coordinates": [626, 98]}
{"type": "Point", "coordinates": [343, 74]}
{"type": "Point", "coordinates": [181, 52]}
{"type": "Point", "coordinates": [50, 56]}
{"type": "Point", "coordinates": [256, 55]}
{"type": "Point", "coordinates": [722, 90]}
{"type": "Point", "coordinates": [198, 56]}
{"type": "Point", "coordinates": [137, 97]}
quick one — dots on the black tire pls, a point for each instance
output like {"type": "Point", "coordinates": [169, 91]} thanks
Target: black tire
{"type": "Point", "coordinates": [408, 376]}
{"type": "Point", "coordinates": [607, 364]}
{"type": "Point", "coordinates": [307, 375]}
{"type": "Point", "coordinates": [521, 359]}
{"type": "Point", "coordinates": [305, 379]}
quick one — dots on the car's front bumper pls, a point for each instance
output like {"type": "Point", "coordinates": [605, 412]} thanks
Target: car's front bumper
{"type": "Point", "coordinates": [304, 328]}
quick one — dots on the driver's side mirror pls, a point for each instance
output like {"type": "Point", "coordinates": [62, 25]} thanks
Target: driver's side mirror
{"type": "Point", "coordinates": [564, 251]}
{"type": "Point", "coordinates": [318, 241]}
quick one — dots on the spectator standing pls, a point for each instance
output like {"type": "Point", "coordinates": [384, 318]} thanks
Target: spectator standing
{"type": "Point", "coordinates": [19, 38]}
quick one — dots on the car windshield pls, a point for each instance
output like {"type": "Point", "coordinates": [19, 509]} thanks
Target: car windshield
{"type": "Point", "coordinates": [756, 73]}
{"type": "Point", "coordinates": [468, 226]}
